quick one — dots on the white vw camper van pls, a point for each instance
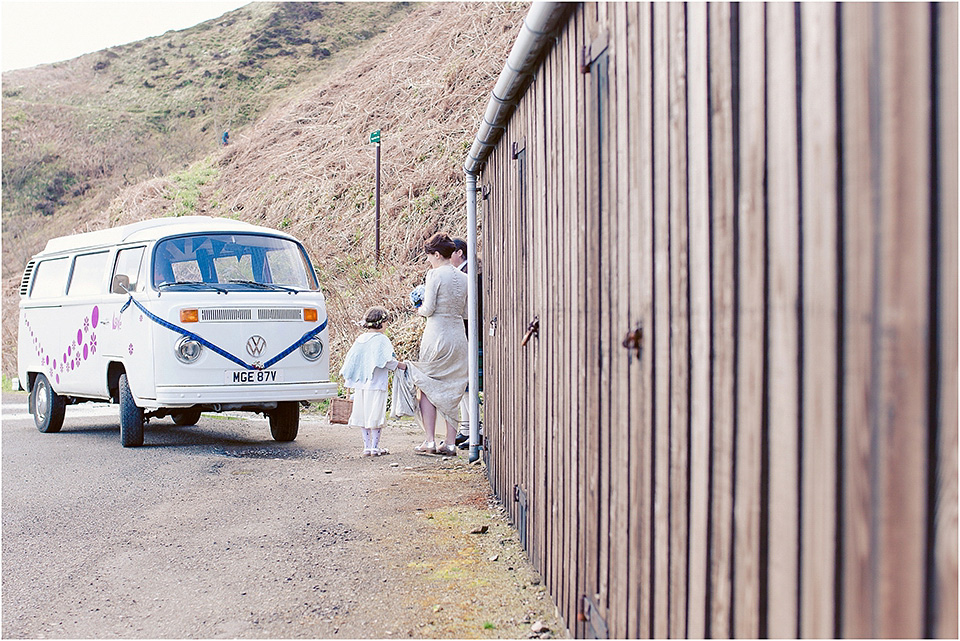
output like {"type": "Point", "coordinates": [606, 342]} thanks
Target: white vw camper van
{"type": "Point", "coordinates": [174, 317]}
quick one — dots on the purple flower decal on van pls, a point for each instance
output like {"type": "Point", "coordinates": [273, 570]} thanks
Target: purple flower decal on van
{"type": "Point", "coordinates": [130, 349]}
{"type": "Point", "coordinates": [93, 343]}
{"type": "Point", "coordinates": [86, 325]}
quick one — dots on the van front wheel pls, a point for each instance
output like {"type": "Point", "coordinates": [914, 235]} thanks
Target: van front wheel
{"type": "Point", "coordinates": [131, 417]}
{"type": "Point", "coordinates": [48, 406]}
{"type": "Point", "coordinates": [285, 421]}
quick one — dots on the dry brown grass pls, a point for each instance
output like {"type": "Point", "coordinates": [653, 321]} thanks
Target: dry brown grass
{"type": "Point", "coordinates": [306, 167]}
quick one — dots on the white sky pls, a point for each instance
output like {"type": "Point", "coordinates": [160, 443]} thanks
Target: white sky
{"type": "Point", "coordinates": [39, 31]}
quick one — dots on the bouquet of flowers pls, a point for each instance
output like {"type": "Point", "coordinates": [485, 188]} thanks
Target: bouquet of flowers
{"type": "Point", "coordinates": [416, 296]}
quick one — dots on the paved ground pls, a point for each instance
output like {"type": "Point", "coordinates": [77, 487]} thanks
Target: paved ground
{"type": "Point", "coordinates": [218, 531]}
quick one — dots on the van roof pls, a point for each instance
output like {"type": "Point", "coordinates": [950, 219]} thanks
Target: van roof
{"type": "Point", "coordinates": [147, 230]}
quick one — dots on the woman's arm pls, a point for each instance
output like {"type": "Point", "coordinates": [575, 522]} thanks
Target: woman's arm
{"type": "Point", "coordinates": [429, 305]}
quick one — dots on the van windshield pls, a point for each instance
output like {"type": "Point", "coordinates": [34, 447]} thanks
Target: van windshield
{"type": "Point", "coordinates": [232, 262]}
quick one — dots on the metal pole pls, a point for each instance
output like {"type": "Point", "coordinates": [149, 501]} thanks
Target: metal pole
{"type": "Point", "coordinates": [377, 251]}
{"type": "Point", "coordinates": [472, 320]}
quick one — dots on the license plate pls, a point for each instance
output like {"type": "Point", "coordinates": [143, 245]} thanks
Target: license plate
{"type": "Point", "coordinates": [252, 377]}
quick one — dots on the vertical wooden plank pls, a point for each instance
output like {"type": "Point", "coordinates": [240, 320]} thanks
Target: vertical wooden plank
{"type": "Point", "coordinates": [661, 327]}
{"type": "Point", "coordinates": [819, 227]}
{"type": "Point", "coordinates": [679, 322]}
{"type": "Point", "coordinates": [540, 345]}
{"type": "Point", "coordinates": [859, 263]}
{"type": "Point", "coordinates": [567, 178]}
{"type": "Point", "coordinates": [904, 125]}
{"type": "Point", "coordinates": [751, 226]}
{"type": "Point", "coordinates": [783, 229]}
{"type": "Point", "coordinates": [722, 249]}
{"type": "Point", "coordinates": [620, 316]}
{"type": "Point", "coordinates": [945, 533]}
{"type": "Point", "coordinates": [698, 160]}
{"type": "Point", "coordinates": [640, 261]}
{"type": "Point", "coordinates": [554, 262]}
{"type": "Point", "coordinates": [570, 295]}
{"type": "Point", "coordinates": [589, 417]}
{"type": "Point", "coordinates": [528, 356]}
{"type": "Point", "coordinates": [606, 140]}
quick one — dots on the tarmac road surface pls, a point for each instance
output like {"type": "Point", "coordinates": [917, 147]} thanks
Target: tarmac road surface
{"type": "Point", "coordinates": [219, 531]}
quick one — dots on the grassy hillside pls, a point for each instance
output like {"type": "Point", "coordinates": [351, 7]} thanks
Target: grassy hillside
{"type": "Point", "coordinates": [77, 131]}
{"type": "Point", "coordinates": [304, 166]}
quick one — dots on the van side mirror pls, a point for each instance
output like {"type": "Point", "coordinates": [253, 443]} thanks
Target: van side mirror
{"type": "Point", "coordinates": [121, 284]}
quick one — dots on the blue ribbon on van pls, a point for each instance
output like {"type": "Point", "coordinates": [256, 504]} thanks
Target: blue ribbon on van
{"type": "Point", "coordinates": [176, 328]}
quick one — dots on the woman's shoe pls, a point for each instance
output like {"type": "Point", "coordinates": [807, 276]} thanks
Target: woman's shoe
{"type": "Point", "coordinates": [427, 447]}
{"type": "Point", "coordinates": [446, 450]}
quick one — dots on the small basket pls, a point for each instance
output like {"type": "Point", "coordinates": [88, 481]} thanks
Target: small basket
{"type": "Point", "coordinates": [340, 410]}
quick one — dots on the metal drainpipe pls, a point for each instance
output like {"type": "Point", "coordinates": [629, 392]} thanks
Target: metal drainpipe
{"type": "Point", "coordinates": [472, 333]}
{"type": "Point", "coordinates": [536, 36]}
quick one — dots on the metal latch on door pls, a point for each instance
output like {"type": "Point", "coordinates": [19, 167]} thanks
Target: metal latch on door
{"type": "Point", "coordinates": [533, 329]}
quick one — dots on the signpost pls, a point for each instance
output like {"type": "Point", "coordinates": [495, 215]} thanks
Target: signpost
{"type": "Point", "coordinates": [375, 138]}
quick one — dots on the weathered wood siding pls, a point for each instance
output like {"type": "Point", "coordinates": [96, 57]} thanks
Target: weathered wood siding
{"type": "Point", "coordinates": [765, 196]}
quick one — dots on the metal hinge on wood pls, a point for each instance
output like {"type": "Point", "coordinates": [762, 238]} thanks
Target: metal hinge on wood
{"type": "Point", "coordinates": [521, 525]}
{"type": "Point", "coordinates": [590, 614]}
{"type": "Point", "coordinates": [485, 192]}
{"type": "Point", "coordinates": [533, 329]}
{"type": "Point", "coordinates": [634, 340]}
{"type": "Point", "coordinates": [519, 146]}
{"type": "Point", "coordinates": [592, 51]}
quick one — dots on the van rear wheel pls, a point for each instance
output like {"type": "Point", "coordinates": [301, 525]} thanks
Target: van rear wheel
{"type": "Point", "coordinates": [285, 421]}
{"type": "Point", "coordinates": [48, 406]}
{"type": "Point", "coordinates": [131, 416]}
{"type": "Point", "coordinates": [186, 419]}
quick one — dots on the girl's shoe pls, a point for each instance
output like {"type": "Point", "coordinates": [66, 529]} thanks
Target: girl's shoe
{"type": "Point", "coordinates": [427, 447]}
{"type": "Point", "coordinates": [367, 452]}
{"type": "Point", "coordinates": [446, 450]}
{"type": "Point", "coordinates": [379, 451]}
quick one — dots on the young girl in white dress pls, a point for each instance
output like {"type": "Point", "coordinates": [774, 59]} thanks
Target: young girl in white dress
{"type": "Point", "coordinates": [365, 370]}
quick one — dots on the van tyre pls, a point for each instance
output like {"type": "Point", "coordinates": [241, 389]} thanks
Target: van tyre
{"type": "Point", "coordinates": [131, 417]}
{"type": "Point", "coordinates": [48, 406]}
{"type": "Point", "coordinates": [285, 421]}
{"type": "Point", "coordinates": [186, 419]}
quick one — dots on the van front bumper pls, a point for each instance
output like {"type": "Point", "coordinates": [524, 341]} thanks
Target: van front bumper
{"type": "Point", "coordinates": [252, 394]}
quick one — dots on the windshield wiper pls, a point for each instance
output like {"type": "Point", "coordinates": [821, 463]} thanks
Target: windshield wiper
{"type": "Point", "coordinates": [270, 286]}
{"type": "Point", "coordinates": [193, 284]}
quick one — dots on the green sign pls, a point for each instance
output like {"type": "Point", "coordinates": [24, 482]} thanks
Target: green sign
{"type": "Point", "coordinates": [375, 137]}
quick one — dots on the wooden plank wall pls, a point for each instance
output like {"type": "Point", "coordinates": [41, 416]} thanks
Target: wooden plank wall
{"type": "Point", "coordinates": [767, 193]}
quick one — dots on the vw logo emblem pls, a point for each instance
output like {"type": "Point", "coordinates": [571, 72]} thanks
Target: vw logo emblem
{"type": "Point", "coordinates": [255, 345]}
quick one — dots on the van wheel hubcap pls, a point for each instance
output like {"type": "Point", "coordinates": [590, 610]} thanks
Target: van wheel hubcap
{"type": "Point", "coordinates": [42, 402]}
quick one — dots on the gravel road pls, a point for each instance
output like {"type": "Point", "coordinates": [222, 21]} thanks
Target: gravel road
{"type": "Point", "coordinates": [217, 531]}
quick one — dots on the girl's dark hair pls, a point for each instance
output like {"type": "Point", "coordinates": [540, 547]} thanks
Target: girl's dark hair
{"type": "Point", "coordinates": [440, 242]}
{"type": "Point", "coordinates": [375, 318]}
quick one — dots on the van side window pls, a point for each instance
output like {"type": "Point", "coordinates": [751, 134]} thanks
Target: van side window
{"type": "Point", "coordinates": [50, 278]}
{"type": "Point", "coordinates": [88, 274]}
{"type": "Point", "coordinates": [127, 270]}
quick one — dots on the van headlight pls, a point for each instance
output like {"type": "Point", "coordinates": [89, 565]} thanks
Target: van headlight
{"type": "Point", "coordinates": [188, 350]}
{"type": "Point", "coordinates": [312, 349]}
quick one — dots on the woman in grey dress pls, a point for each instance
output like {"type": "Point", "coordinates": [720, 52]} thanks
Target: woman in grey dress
{"type": "Point", "coordinates": [441, 373]}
